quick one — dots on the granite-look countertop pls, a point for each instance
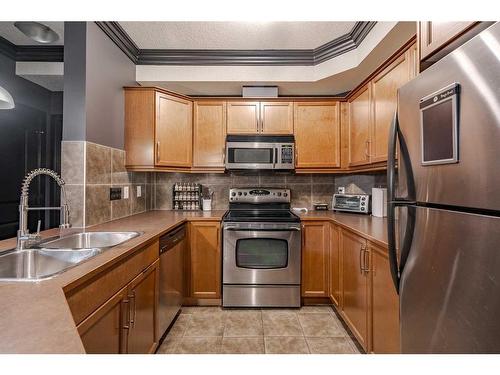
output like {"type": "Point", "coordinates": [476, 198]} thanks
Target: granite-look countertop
{"type": "Point", "coordinates": [35, 317]}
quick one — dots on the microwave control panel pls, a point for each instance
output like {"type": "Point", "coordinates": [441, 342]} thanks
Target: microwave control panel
{"type": "Point", "coordinates": [286, 154]}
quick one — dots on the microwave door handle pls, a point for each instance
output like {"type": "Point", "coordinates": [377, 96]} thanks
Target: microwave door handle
{"type": "Point", "coordinates": [275, 157]}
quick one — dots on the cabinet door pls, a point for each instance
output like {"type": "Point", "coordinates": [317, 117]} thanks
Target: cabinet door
{"type": "Point", "coordinates": [209, 137]}
{"type": "Point", "coordinates": [143, 297]}
{"type": "Point", "coordinates": [173, 131]}
{"type": "Point", "coordinates": [355, 286]}
{"type": "Point", "coordinates": [384, 100]}
{"type": "Point", "coordinates": [105, 330]}
{"type": "Point", "coordinates": [317, 134]}
{"type": "Point", "coordinates": [242, 117]}
{"type": "Point", "coordinates": [435, 35]}
{"type": "Point", "coordinates": [315, 246]}
{"type": "Point", "coordinates": [204, 259]}
{"type": "Point", "coordinates": [276, 117]}
{"type": "Point", "coordinates": [359, 128]}
{"type": "Point", "coordinates": [334, 265]}
{"type": "Point", "coordinates": [385, 305]}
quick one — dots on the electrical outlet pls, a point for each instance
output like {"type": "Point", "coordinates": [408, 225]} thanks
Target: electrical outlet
{"type": "Point", "coordinates": [125, 192]}
{"type": "Point", "coordinates": [139, 191]}
{"type": "Point", "coordinates": [115, 193]}
{"type": "Point", "coordinates": [341, 190]}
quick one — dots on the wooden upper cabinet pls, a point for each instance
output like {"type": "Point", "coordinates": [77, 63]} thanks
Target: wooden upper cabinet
{"type": "Point", "coordinates": [143, 300]}
{"type": "Point", "coordinates": [315, 246]}
{"type": "Point", "coordinates": [384, 103]}
{"type": "Point", "coordinates": [435, 35]}
{"type": "Point", "coordinates": [209, 134]}
{"type": "Point", "coordinates": [359, 127]}
{"type": "Point", "coordinates": [242, 117]}
{"type": "Point", "coordinates": [173, 131]}
{"type": "Point", "coordinates": [335, 289]}
{"type": "Point", "coordinates": [356, 286]}
{"type": "Point", "coordinates": [276, 117]}
{"type": "Point", "coordinates": [385, 304]}
{"type": "Point", "coordinates": [317, 134]}
{"type": "Point", "coordinates": [140, 128]}
{"type": "Point", "coordinates": [204, 259]}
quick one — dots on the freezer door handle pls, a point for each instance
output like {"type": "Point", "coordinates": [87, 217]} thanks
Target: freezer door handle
{"type": "Point", "coordinates": [395, 135]}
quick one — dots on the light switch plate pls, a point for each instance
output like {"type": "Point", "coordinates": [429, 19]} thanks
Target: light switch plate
{"type": "Point", "coordinates": [341, 190]}
{"type": "Point", "coordinates": [125, 192]}
{"type": "Point", "coordinates": [139, 191]}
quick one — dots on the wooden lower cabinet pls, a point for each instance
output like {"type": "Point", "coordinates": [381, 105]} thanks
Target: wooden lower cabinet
{"type": "Point", "coordinates": [143, 301]}
{"type": "Point", "coordinates": [204, 260]}
{"type": "Point", "coordinates": [315, 246]}
{"type": "Point", "coordinates": [104, 331]}
{"type": "Point", "coordinates": [356, 286]}
{"type": "Point", "coordinates": [126, 323]}
{"type": "Point", "coordinates": [334, 261]}
{"type": "Point", "coordinates": [385, 304]}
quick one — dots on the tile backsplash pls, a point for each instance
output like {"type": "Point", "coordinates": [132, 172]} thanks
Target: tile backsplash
{"type": "Point", "coordinates": [306, 188]}
{"type": "Point", "coordinates": [90, 170]}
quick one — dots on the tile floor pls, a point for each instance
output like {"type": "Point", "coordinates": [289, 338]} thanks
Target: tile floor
{"type": "Point", "coordinates": [211, 330]}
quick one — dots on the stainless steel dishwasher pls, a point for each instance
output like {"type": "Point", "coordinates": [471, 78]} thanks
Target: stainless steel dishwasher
{"type": "Point", "coordinates": [171, 277]}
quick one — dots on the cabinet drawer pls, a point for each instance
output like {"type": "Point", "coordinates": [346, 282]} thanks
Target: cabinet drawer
{"type": "Point", "coordinates": [86, 298]}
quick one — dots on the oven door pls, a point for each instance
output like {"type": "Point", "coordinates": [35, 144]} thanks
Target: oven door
{"type": "Point", "coordinates": [250, 155]}
{"type": "Point", "coordinates": [261, 253]}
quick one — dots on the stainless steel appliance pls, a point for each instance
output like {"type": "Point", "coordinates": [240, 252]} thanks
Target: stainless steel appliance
{"type": "Point", "coordinates": [171, 277]}
{"type": "Point", "coordinates": [261, 250]}
{"type": "Point", "coordinates": [446, 262]}
{"type": "Point", "coordinates": [260, 152]}
{"type": "Point", "coordinates": [359, 203]}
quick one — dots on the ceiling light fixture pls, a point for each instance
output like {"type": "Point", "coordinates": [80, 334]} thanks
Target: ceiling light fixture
{"type": "Point", "coordinates": [37, 31]}
{"type": "Point", "coordinates": [6, 101]}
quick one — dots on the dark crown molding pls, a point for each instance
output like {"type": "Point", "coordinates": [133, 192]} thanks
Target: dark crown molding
{"type": "Point", "coordinates": [31, 53]}
{"type": "Point", "coordinates": [327, 51]}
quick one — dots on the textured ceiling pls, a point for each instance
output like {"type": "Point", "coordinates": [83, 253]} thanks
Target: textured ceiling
{"type": "Point", "coordinates": [234, 35]}
{"type": "Point", "coordinates": [337, 76]}
{"type": "Point", "coordinates": [13, 35]}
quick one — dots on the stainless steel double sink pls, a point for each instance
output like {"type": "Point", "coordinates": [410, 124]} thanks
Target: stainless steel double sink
{"type": "Point", "coordinates": [54, 256]}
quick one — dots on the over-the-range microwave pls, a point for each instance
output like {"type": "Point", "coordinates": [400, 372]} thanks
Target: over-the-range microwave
{"type": "Point", "coordinates": [260, 152]}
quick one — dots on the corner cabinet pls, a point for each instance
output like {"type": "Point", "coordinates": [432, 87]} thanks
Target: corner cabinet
{"type": "Point", "coordinates": [317, 135]}
{"type": "Point", "coordinates": [158, 129]}
{"type": "Point", "coordinates": [315, 246]}
{"type": "Point", "coordinates": [254, 117]}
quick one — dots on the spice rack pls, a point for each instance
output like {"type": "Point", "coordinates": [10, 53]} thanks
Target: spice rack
{"type": "Point", "coordinates": [186, 196]}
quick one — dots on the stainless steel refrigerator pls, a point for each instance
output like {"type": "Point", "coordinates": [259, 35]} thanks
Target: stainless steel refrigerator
{"type": "Point", "coordinates": [444, 202]}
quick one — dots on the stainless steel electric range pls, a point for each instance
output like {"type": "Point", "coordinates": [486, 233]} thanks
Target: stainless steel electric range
{"type": "Point", "coordinates": [261, 249]}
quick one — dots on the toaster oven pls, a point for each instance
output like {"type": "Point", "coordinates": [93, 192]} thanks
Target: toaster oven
{"type": "Point", "coordinates": [359, 203]}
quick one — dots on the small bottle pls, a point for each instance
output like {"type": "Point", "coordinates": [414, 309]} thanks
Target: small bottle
{"type": "Point", "coordinates": [176, 206]}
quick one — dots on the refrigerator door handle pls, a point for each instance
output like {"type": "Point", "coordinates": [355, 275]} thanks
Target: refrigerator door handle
{"type": "Point", "coordinates": [395, 135]}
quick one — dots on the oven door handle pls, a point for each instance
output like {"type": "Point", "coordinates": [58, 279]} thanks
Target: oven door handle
{"type": "Point", "coordinates": [239, 229]}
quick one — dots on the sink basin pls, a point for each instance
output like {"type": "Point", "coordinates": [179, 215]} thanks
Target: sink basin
{"type": "Point", "coordinates": [37, 264]}
{"type": "Point", "coordinates": [89, 240]}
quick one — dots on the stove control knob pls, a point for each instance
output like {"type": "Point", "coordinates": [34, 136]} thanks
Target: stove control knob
{"type": "Point", "coordinates": [285, 194]}
{"type": "Point", "coordinates": [279, 194]}
{"type": "Point", "coordinates": [245, 193]}
{"type": "Point", "coordinates": [239, 192]}
{"type": "Point", "coordinates": [233, 194]}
